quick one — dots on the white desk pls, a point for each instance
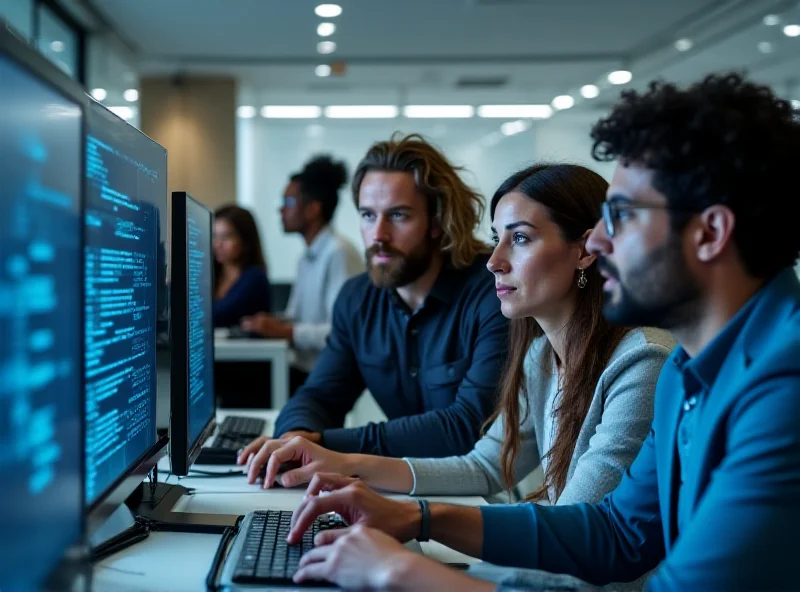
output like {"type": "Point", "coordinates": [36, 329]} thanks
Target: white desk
{"type": "Point", "coordinates": [180, 562]}
{"type": "Point", "coordinates": [275, 351]}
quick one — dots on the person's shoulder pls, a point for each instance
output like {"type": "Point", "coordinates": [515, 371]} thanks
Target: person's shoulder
{"type": "Point", "coordinates": [644, 338]}
{"type": "Point", "coordinates": [357, 287]}
{"type": "Point", "coordinates": [254, 273]}
{"type": "Point", "coordinates": [475, 276]}
{"type": "Point", "coordinates": [641, 352]}
{"type": "Point", "coordinates": [340, 245]}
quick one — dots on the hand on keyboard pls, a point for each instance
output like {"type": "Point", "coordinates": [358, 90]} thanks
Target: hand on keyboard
{"type": "Point", "coordinates": [357, 504]}
{"type": "Point", "coordinates": [354, 558]}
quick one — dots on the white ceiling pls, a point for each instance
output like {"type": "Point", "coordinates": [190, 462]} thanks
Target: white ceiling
{"type": "Point", "coordinates": [417, 51]}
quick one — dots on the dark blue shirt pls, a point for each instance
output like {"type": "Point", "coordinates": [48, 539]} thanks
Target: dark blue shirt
{"type": "Point", "coordinates": [248, 296]}
{"type": "Point", "coordinates": [434, 371]}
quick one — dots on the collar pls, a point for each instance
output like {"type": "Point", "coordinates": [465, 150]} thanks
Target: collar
{"type": "Point", "coordinates": [319, 243]}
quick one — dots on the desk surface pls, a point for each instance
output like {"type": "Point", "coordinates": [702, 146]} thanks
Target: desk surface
{"type": "Point", "coordinates": [180, 562]}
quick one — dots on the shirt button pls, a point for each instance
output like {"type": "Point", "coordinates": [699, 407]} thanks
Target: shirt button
{"type": "Point", "coordinates": [413, 371]}
{"type": "Point", "coordinates": [689, 405]}
{"type": "Point", "coordinates": [414, 331]}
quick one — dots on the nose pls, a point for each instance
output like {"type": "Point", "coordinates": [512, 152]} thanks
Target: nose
{"type": "Point", "coordinates": [497, 262]}
{"type": "Point", "coordinates": [598, 242]}
{"type": "Point", "coordinates": [381, 232]}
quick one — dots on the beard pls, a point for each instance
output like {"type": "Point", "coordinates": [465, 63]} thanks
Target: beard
{"type": "Point", "coordinates": [660, 291]}
{"type": "Point", "coordinates": [403, 269]}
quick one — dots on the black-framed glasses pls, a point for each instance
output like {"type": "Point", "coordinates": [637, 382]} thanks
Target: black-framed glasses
{"type": "Point", "coordinates": [612, 211]}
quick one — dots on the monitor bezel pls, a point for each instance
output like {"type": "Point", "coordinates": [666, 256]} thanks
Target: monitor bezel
{"type": "Point", "coordinates": [129, 480]}
{"type": "Point", "coordinates": [19, 51]}
{"type": "Point", "coordinates": [182, 452]}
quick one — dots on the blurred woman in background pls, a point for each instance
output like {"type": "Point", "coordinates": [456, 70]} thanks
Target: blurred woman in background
{"type": "Point", "coordinates": [241, 287]}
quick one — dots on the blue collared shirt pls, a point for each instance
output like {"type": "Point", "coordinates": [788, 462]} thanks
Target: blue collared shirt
{"type": "Point", "coordinates": [433, 371]}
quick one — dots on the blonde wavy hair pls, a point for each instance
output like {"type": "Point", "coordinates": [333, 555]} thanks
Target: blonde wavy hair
{"type": "Point", "coordinates": [456, 208]}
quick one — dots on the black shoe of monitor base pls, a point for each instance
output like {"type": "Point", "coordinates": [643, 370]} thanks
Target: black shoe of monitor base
{"type": "Point", "coordinates": [155, 504]}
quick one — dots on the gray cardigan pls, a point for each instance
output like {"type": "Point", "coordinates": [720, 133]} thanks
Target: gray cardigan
{"type": "Point", "coordinates": [616, 424]}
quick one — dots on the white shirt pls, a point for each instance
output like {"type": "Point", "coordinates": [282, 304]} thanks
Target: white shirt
{"type": "Point", "coordinates": [328, 263]}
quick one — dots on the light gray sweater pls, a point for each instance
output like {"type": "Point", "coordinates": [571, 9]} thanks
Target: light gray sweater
{"type": "Point", "coordinates": [616, 424]}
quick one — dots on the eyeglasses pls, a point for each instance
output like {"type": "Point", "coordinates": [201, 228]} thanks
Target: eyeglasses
{"type": "Point", "coordinates": [289, 202]}
{"type": "Point", "coordinates": [613, 210]}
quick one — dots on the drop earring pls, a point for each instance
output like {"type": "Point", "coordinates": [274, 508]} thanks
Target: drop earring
{"type": "Point", "coordinates": [582, 279]}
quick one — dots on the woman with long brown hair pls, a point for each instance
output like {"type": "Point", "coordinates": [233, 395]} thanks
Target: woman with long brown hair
{"type": "Point", "coordinates": [577, 393]}
{"type": "Point", "coordinates": [241, 287]}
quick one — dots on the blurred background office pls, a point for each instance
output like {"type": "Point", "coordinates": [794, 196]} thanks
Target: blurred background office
{"type": "Point", "coordinates": [243, 93]}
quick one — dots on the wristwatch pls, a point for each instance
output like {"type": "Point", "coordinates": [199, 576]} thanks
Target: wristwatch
{"type": "Point", "coordinates": [425, 522]}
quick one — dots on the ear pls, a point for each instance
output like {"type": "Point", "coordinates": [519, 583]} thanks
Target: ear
{"type": "Point", "coordinates": [314, 207]}
{"type": "Point", "coordinates": [586, 258]}
{"type": "Point", "coordinates": [714, 233]}
{"type": "Point", "coordinates": [436, 228]}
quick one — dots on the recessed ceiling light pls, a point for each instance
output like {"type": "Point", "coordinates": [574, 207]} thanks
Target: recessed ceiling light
{"type": "Point", "coordinates": [765, 47]}
{"type": "Point", "coordinates": [589, 91]}
{"type": "Point", "coordinates": [515, 111]}
{"type": "Point", "coordinates": [291, 111]}
{"type": "Point", "coordinates": [99, 94]}
{"type": "Point", "coordinates": [326, 29]}
{"type": "Point", "coordinates": [563, 102]}
{"type": "Point", "coordinates": [57, 46]}
{"type": "Point", "coordinates": [322, 70]}
{"type": "Point", "coordinates": [124, 112]}
{"type": "Point", "coordinates": [796, 104]}
{"type": "Point", "coordinates": [683, 44]}
{"type": "Point", "coordinates": [326, 47]}
{"type": "Point", "coordinates": [131, 95]}
{"type": "Point", "coordinates": [246, 111]}
{"type": "Point", "coordinates": [792, 30]}
{"type": "Point", "coordinates": [328, 10]}
{"type": "Point", "coordinates": [771, 20]}
{"type": "Point", "coordinates": [620, 77]}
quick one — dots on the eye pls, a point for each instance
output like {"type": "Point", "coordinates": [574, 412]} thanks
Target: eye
{"type": "Point", "coordinates": [367, 216]}
{"type": "Point", "coordinates": [624, 214]}
{"type": "Point", "coordinates": [398, 216]}
{"type": "Point", "coordinates": [519, 238]}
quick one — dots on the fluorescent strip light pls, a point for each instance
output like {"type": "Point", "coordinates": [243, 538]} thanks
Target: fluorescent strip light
{"type": "Point", "coordinates": [515, 111]}
{"type": "Point", "coordinates": [792, 30]}
{"type": "Point", "coordinates": [438, 111]}
{"type": "Point", "coordinates": [511, 128]}
{"type": "Point", "coordinates": [361, 111]}
{"type": "Point", "coordinates": [563, 102]}
{"type": "Point", "coordinates": [246, 111]}
{"type": "Point", "coordinates": [291, 111]}
{"type": "Point", "coordinates": [620, 77]}
{"type": "Point", "coordinates": [328, 10]}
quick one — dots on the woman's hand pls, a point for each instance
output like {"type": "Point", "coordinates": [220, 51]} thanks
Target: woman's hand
{"type": "Point", "coordinates": [355, 557]}
{"type": "Point", "coordinates": [257, 454]}
{"type": "Point", "coordinates": [312, 457]}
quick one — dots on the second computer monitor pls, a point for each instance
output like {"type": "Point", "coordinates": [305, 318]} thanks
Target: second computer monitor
{"type": "Point", "coordinates": [192, 392]}
{"type": "Point", "coordinates": [125, 222]}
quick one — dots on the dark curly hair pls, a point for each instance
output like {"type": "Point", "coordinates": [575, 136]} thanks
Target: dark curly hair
{"type": "Point", "coordinates": [724, 140]}
{"type": "Point", "coordinates": [320, 180]}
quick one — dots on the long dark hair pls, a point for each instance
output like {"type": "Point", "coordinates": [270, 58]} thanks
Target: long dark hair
{"type": "Point", "coordinates": [244, 225]}
{"type": "Point", "coordinates": [573, 196]}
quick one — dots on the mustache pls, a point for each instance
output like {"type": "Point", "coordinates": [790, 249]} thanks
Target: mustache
{"type": "Point", "coordinates": [607, 268]}
{"type": "Point", "coordinates": [382, 250]}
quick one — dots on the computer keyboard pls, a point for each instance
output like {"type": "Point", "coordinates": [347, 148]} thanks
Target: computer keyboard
{"type": "Point", "coordinates": [266, 557]}
{"type": "Point", "coordinates": [233, 434]}
{"type": "Point", "coordinates": [237, 425]}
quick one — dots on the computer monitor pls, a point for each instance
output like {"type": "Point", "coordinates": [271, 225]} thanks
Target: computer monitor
{"type": "Point", "coordinates": [41, 378]}
{"type": "Point", "coordinates": [125, 268]}
{"type": "Point", "coordinates": [192, 391]}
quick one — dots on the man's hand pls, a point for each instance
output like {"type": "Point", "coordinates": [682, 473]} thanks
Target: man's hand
{"type": "Point", "coordinates": [267, 326]}
{"type": "Point", "coordinates": [256, 454]}
{"type": "Point", "coordinates": [356, 504]}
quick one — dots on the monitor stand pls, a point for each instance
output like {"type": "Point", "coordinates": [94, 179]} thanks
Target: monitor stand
{"type": "Point", "coordinates": [120, 531]}
{"type": "Point", "coordinates": [155, 502]}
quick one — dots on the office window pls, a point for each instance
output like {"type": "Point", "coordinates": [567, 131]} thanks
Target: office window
{"type": "Point", "coordinates": [58, 41]}
{"type": "Point", "coordinates": [19, 14]}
